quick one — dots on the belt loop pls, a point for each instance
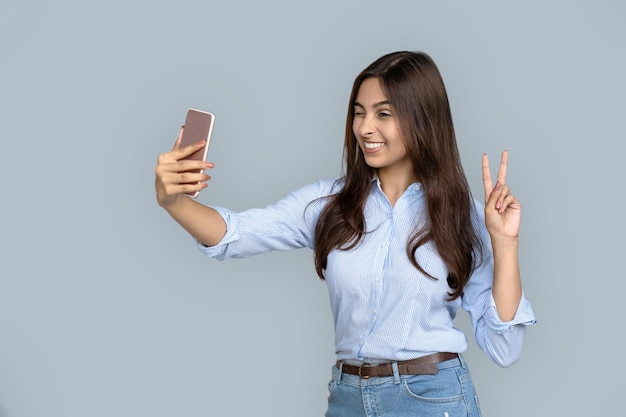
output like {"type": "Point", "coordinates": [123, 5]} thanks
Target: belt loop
{"type": "Point", "coordinates": [462, 361]}
{"type": "Point", "coordinates": [396, 373]}
{"type": "Point", "coordinates": [340, 367]}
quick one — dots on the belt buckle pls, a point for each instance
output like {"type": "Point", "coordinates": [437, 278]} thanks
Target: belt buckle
{"type": "Point", "coordinates": [361, 374]}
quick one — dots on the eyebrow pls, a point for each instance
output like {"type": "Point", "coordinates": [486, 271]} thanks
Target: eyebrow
{"type": "Point", "coordinates": [378, 104]}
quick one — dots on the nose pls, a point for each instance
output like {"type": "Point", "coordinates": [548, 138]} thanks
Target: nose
{"type": "Point", "coordinates": [365, 126]}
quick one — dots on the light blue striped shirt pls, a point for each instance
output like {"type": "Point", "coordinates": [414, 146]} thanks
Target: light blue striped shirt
{"type": "Point", "coordinates": [383, 307]}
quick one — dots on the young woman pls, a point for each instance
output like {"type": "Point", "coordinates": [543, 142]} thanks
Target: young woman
{"type": "Point", "coordinates": [399, 241]}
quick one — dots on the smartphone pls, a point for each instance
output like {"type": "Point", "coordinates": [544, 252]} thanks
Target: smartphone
{"type": "Point", "coordinates": [198, 126]}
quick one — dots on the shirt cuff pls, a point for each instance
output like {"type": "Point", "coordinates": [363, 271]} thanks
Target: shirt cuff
{"type": "Point", "coordinates": [523, 316]}
{"type": "Point", "coordinates": [232, 226]}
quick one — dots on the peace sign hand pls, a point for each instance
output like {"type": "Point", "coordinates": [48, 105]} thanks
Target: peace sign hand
{"type": "Point", "coordinates": [503, 212]}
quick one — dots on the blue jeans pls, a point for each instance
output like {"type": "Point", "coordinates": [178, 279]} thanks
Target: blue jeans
{"type": "Point", "coordinates": [449, 393]}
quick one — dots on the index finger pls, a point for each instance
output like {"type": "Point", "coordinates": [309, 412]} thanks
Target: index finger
{"type": "Point", "coordinates": [487, 183]}
{"type": "Point", "coordinates": [504, 163]}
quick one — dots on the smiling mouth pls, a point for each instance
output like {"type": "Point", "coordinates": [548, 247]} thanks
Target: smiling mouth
{"type": "Point", "coordinates": [373, 145]}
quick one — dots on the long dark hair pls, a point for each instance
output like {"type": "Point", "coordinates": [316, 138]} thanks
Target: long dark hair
{"type": "Point", "coordinates": [415, 90]}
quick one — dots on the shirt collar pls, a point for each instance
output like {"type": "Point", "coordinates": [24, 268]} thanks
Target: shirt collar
{"type": "Point", "coordinates": [416, 186]}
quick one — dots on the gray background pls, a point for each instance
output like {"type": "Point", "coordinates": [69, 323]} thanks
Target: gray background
{"type": "Point", "coordinates": [106, 308]}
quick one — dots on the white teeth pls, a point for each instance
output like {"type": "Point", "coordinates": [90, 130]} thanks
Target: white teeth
{"type": "Point", "coordinates": [370, 145]}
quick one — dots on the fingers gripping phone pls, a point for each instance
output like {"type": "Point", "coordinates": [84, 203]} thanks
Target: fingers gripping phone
{"type": "Point", "coordinates": [198, 126]}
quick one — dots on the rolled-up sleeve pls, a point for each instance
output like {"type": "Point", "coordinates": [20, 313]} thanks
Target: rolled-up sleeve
{"type": "Point", "coordinates": [503, 341]}
{"type": "Point", "coordinates": [232, 227]}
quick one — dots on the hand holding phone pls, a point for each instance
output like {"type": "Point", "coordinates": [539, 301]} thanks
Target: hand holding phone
{"type": "Point", "coordinates": [198, 126]}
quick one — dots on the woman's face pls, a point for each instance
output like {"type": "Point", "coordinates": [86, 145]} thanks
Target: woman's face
{"type": "Point", "coordinates": [376, 128]}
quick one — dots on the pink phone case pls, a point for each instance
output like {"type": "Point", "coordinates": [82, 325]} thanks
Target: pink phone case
{"type": "Point", "coordinates": [198, 126]}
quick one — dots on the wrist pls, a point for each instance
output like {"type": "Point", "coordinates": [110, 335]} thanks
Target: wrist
{"type": "Point", "coordinates": [168, 202]}
{"type": "Point", "coordinates": [505, 242]}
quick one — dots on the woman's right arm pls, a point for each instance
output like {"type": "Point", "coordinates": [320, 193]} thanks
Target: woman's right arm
{"type": "Point", "coordinates": [173, 180]}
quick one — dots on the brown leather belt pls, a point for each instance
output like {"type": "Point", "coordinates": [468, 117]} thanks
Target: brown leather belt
{"type": "Point", "coordinates": [426, 365]}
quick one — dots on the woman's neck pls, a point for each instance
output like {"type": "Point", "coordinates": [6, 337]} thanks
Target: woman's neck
{"type": "Point", "coordinates": [395, 182]}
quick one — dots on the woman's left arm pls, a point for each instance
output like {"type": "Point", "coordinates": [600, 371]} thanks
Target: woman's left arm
{"type": "Point", "coordinates": [503, 218]}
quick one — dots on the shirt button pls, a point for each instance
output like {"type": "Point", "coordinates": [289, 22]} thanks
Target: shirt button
{"type": "Point", "coordinates": [373, 311]}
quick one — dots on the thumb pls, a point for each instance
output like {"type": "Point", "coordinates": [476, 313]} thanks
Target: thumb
{"type": "Point", "coordinates": [179, 138]}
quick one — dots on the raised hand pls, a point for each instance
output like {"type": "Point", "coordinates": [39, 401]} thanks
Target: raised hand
{"type": "Point", "coordinates": [175, 175]}
{"type": "Point", "coordinates": [503, 212]}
